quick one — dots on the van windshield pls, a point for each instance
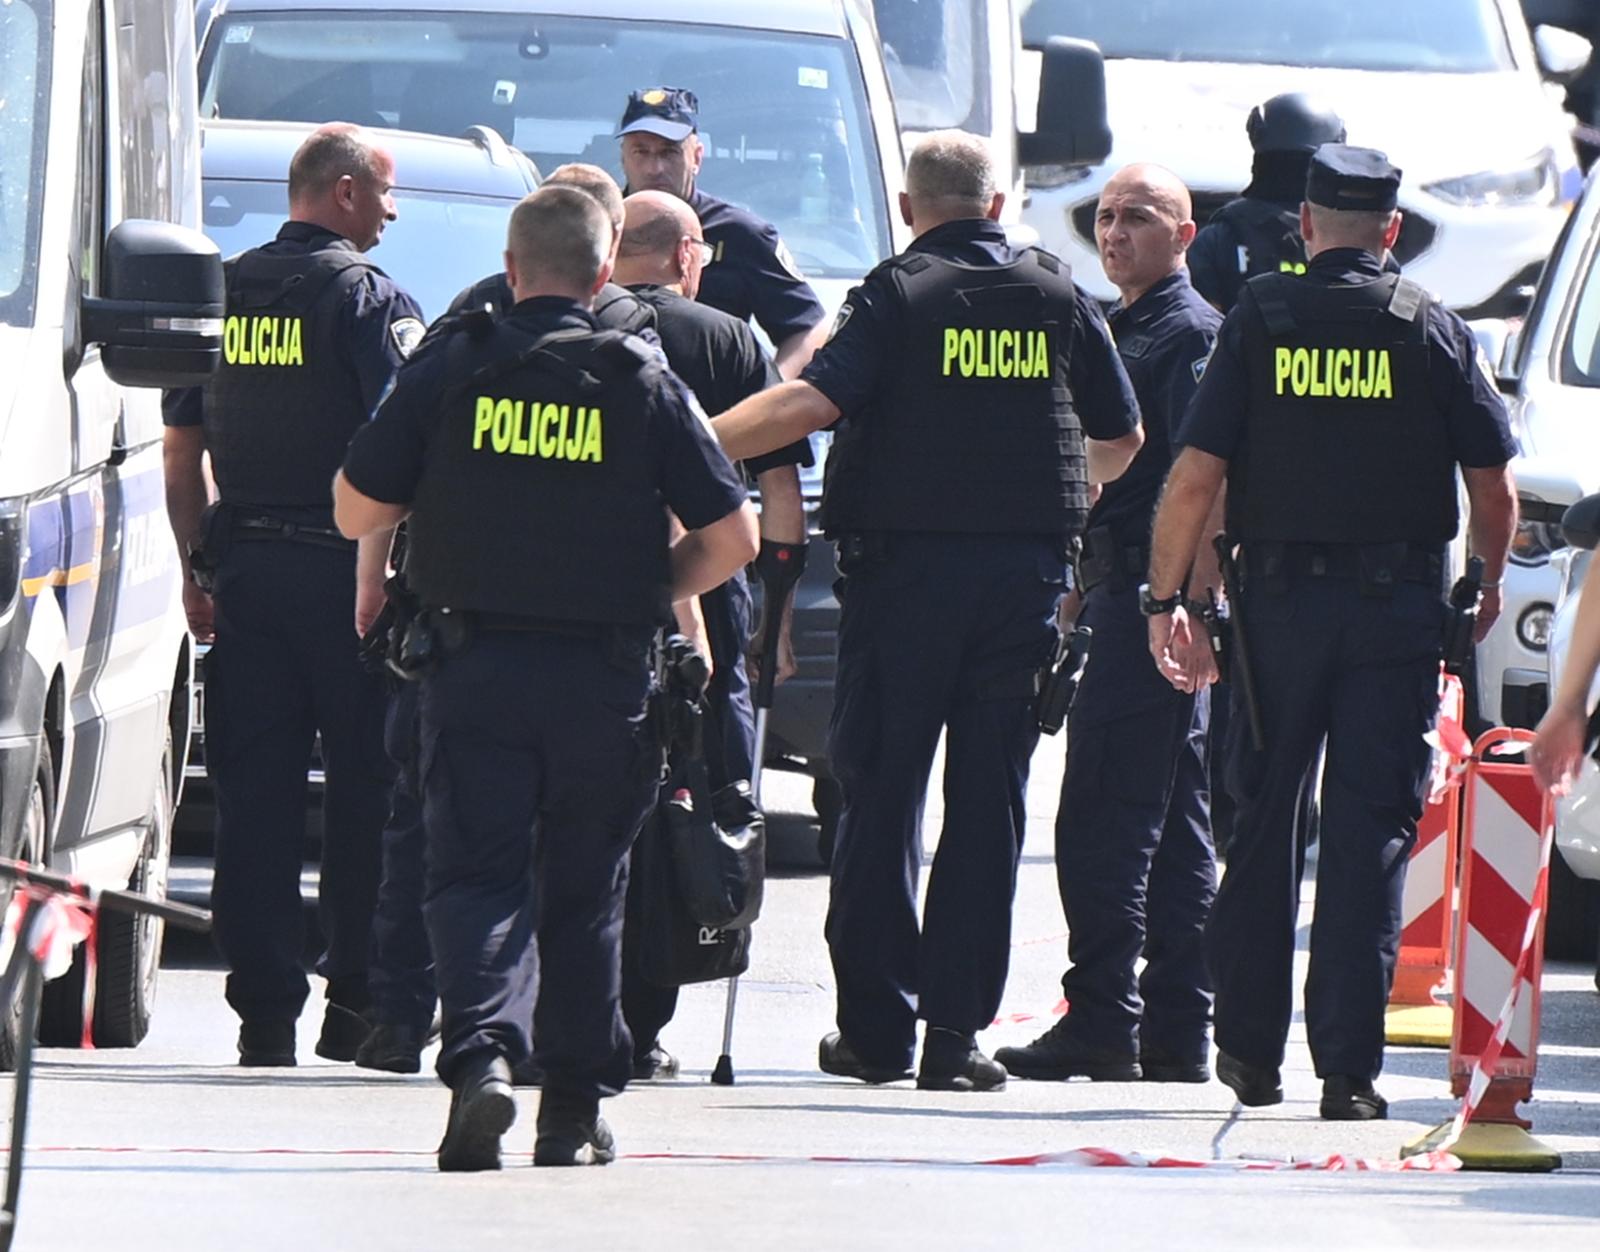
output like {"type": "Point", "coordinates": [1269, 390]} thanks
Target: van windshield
{"type": "Point", "coordinates": [24, 125]}
{"type": "Point", "coordinates": [783, 117]}
{"type": "Point", "coordinates": [937, 54]}
{"type": "Point", "coordinates": [1444, 36]}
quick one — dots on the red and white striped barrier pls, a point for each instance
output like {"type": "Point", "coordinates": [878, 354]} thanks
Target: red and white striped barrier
{"type": "Point", "coordinates": [58, 926]}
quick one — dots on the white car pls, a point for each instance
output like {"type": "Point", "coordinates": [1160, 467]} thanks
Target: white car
{"type": "Point", "coordinates": [1450, 89]}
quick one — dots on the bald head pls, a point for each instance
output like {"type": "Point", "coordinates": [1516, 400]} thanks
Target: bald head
{"type": "Point", "coordinates": [949, 177]}
{"type": "Point", "coordinates": [662, 243]}
{"type": "Point", "coordinates": [559, 244]}
{"type": "Point", "coordinates": [1143, 227]}
{"type": "Point", "coordinates": [340, 179]}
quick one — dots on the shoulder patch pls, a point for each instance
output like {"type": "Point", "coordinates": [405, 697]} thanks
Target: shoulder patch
{"type": "Point", "coordinates": [407, 333]}
{"type": "Point", "coordinates": [786, 259]}
{"type": "Point", "coordinates": [1198, 367]}
{"type": "Point", "coordinates": [846, 311]}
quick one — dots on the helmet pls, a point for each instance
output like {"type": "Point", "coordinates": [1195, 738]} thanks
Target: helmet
{"type": "Point", "coordinates": [1293, 122]}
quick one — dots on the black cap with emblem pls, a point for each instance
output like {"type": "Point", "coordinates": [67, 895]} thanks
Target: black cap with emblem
{"type": "Point", "coordinates": [1352, 180]}
{"type": "Point", "coordinates": [665, 111]}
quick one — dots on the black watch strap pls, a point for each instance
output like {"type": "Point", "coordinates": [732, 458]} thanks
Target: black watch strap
{"type": "Point", "coordinates": [1152, 607]}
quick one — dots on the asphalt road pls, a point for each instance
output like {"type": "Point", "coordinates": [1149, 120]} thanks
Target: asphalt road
{"type": "Point", "coordinates": [173, 1146]}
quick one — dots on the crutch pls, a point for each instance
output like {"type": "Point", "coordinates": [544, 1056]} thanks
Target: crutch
{"type": "Point", "coordinates": [779, 567]}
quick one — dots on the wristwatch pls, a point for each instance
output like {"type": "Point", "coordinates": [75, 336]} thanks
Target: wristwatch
{"type": "Point", "coordinates": [1151, 607]}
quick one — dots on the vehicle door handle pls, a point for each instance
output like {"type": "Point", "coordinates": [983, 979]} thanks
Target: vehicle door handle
{"type": "Point", "coordinates": [119, 439]}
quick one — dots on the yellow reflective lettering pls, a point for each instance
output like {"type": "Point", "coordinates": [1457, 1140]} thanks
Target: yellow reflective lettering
{"type": "Point", "coordinates": [952, 347]}
{"type": "Point", "coordinates": [548, 417]}
{"type": "Point", "coordinates": [1341, 372]}
{"type": "Point", "coordinates": [519, 438]}
{"type": "Point", "coordinates": [295, 356]}
{"type": "Point", "coordinates": [503, 417]}
{"type": "Point", "coordinates": [592, 450]}
{"type": "Point", "coordinates": [1382, 383]}
{"type": "Point", "coordinates": [1301, 381]}
{"type": "Point", "coordinates": [969, 353]}
{"type": "Point", "coordinates": [1282, 363]}
{"type": "Point", "coordinates": [482, 419]}
{"type": "Point", "coordinates": [1041, 354]}
{"type": "Point", "coordinates": [230, 340]}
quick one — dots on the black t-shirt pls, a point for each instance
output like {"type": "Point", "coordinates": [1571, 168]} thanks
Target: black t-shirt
{"type": "Point", "coordinates": [753, 274]}
{"type": "Point", "coordinates": [387, 457]}
{"type": "Point", "coordinates": [721, 360]}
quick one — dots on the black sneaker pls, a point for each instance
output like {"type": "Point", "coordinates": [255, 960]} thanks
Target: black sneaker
{"type": "Point", "coordinates": [527, 1074]}
{"type": "Point", "coordinates": [1255, 1085]}
{"type": "Point", "coordinates": [836, 1056]}
{"type": "Point", "coordinates": [394, 1049]}
{"type": "Point", "coordinates": [951, 1062]}
{"type": "Point", "coordinates": [1346, 1099]}
{"type": "Point", "coordinates": [1165, 1067]}
{"type": "Point", "coordinates": [482, 1109]}
{"type": "Point", "coordinates": [269, 1045]}
{"type": "Point", "coordinates": [1055, 1056]}
{"type": "Point", "coordinates": [656, 1065]}
{"type": "Point", "coordinates": [572, 1132]}
{"type": "Point", "coordinates": [343, 1032]}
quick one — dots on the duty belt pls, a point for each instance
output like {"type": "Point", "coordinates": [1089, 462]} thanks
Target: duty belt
{"type": "Point", "coordinates": [1379, 564]}
{"type": "Point", "coordinates": [1103, 559]}
{"type": "Point", "coordinates": [517, 623]}
{"type": "Point", "coordinates": [262, 526]}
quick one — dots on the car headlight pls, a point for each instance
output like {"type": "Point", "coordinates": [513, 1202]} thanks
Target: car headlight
{"type": "Point", "coordinates": [1537, 182]}
{"type": "Point", "coordinates": [1533, 626]}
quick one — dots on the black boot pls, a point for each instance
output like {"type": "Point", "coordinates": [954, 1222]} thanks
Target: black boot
{"type": "Point", "coordinates": [1158, 1066]}
{"type": "Point", "coordinates": [836, 1056]}
{"type": "Point", "coordinates": [572, 1132]}
{"type": "Point", "coordinates": [1347, 1099]}
{"type": "Point", "coordinates": [951, 1062]}
{"type": "Point", "coordinates": [1255, 1085]}
{"type": "Point", "coordinates": [656, 1065]}
{"type": "Point", "coordinates": [395, 1049]}
{"type": "Point", "coordinates": [266, 1044]}
{"type": "Point", "coordinates": [1056, 1055]}
{"type": "Point", "coordinates": [344, 1030]}
{"type": "Point", "coordinates": [482, 1109]}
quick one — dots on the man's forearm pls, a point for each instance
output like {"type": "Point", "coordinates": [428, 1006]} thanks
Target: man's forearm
{"type": "Point", "coordinates": [1107, 458]}
{"type": "Point", "coordinates": [1492, 521]}
{"type": "Point", "coordinates": [773, 419]}
{"type": "Point", "coordinates": [372, 558]}
{"type": "Point", "coordinates": [795, 352]}
{"type": "Point", "coordinates": [783, 508]}
{"type": "Point", "coordinates": [1186, 506]}
{"type": "Point", "coordinates": [708, 557]}
{"type": "Point", "coordinates": [187, 495]}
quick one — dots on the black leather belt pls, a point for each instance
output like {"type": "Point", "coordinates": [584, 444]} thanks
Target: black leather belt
{"type": "Point", "coordinates": [1371, 562]}
{"type": "Point", "coordinates": [262, 526]}
{"type": "Point", "coordinates": [518, 624]}
{"type": "Point", "coordinates": [1103, 559]}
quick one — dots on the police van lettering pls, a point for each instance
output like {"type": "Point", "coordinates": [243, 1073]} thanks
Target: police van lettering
{"type": "Point", "coordinates": [1346, 373]}
{"type": "Point", "coordinates": [553, 432]}
{"type": "Point", "coordinates": [146, 549]}
{"type": "Point", "coordinates": [262, 340]}
{"type": "Point", "coordinates": [996, 353]}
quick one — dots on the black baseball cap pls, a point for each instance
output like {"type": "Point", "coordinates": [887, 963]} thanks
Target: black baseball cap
{"type": "Point", "coordinates": [1352, 179]}
{"type": "Point", "coordinates": [665, 111]}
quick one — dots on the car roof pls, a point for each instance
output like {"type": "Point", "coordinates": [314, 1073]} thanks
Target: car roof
{"type": "Point", "coordinates": [484, 165]}
{"type": "Point", "coordinates": [809, 17]}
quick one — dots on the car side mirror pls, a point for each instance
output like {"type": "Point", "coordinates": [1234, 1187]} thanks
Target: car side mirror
{"type": "Point", "coordinates": [159, 321]}
{"type": "Point", "coordinates": [1071, 127]}
{"type": "Point", "coordinates": [1562, 54]}
{"type": "Point", "coordinates": [1580, 524]}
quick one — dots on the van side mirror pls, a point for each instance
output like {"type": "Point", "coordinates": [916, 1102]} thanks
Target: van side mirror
{"type": "Point", "coordinates": [1580, 524]}
{"type": "Point", "coordinates": [1562, 54]}
{"type": "Point", "coordinates": [1071, 128]}
{"type": "Point", "coordinates": [159, 321]}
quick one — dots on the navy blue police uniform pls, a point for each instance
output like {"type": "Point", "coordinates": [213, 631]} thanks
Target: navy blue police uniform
{"type": "Point", "coordinates": [968, 374]}
{"type": "Point", "coordinates": [539, 460]}
{"type": "Point", "coordinates": [315, 333]}
{"type": "Point", "coordinates": [1134, 860]}
{"type": "Point", "coordinates": [1343, 402]}
{"type": "Point", "coordinates": [720, 360]}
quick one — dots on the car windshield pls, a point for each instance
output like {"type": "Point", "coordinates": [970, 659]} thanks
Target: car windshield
{"type": "Point", "coordinates": [1580, 365]}
{"type": "Point", "coordinates": [776, 110]}
{"type": "Point", "coordinates": [241, 214]}
{"type": "Point", "coordinates": [24, 123]}
{"type": "Point", "coordinates": [1448, 36]}
{"type": "Point", "coordinates": [938, 60]}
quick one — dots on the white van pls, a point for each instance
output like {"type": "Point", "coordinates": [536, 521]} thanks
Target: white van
{"type": "Point", "coordinates": [106, 294]}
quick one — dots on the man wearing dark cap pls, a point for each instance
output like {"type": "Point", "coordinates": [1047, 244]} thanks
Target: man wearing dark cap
{"type": "Point", "coordinates": [752, 273]}
{"type": "Point", "coordinates": [1259, 231]}
{"type": "Point", "coordinates": [1337, 405]}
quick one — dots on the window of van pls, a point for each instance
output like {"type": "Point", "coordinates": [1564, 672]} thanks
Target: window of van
{"type": "Point", "coordinates": [937, 54]}
{"type": "Point", "coordinates": [25, 27]}
{"type": "Point", "coordinates": [1447, 36]}
{"type": "Point", "coordinates": [777, 110]}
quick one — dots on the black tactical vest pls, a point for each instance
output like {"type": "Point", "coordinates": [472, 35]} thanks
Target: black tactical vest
{"type": "Point", "coordinates": [1344, 441]}
{"type": "Point", "coordinates": [540, 497]}
{"type": "Point", "coordinates": [281, 410]}
{"type": "Point", "coordinates": [973, 430]}
{"type": "Point", "coordinates": [1268, 234]}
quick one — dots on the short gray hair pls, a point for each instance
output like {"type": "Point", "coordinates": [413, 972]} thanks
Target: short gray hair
{"type": "Point", "coordinates": [561, 236]}
{"type": "Point", "coordinates": [952, 168]}
{"type": "Point", "coordinates": [327, 155]}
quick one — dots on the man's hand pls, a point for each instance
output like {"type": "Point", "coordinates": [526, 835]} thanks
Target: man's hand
{"type": "Point", "coordinates": [1557, 752]}
{"type": "Point", "coordinates": [1489, 604]}
{"type": "Point", "coordinates": [1198, 660]}
{"type": "Point", "coordinates": [1173, 639]}
{"type": "Point", "coordinates": [691, 621]}
{"type": "Point", "coordinates": [369, 603]}
{"type": "Point", "coordinates": [197, 607]}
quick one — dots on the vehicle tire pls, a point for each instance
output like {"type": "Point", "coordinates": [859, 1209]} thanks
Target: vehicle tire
{"type": "Point", "coordinates": [36, 821]}
{"type": "Point", "coordinates": [127, 949]}
{"type": "Point", "coordinates": [828, 800]}
{"type": "Point", "coordinates": [1571, 931]}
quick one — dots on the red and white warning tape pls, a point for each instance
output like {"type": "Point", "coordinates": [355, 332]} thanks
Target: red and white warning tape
{"type": "Point", "coordinates": [58, 926]}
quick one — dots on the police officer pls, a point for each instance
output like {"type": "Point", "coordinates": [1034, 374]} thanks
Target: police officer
{"type": "Point", "coordinates": [662, 263]}
{"type": "Point", "coordinates": [402, 966]}
{"type": "Point", "coordinates": [980, 398]}
{"type": "Point", "coordinates": [315, 333]}
{"type": "Point", "coordinates": [1337, 405]}
{"type": "Point", "coordinates": [753, 274]}
{"type": "Point", "coordinates": [1133, 841]}
{"type": "Point", "coordinates": [537, 458]}
{"type": "Point", "coordinates": [1259, 232]}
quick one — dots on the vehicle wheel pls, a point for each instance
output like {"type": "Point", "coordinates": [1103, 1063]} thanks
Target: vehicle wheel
{"type": "Point", "coordinates": [127, 949]}
{"type": "Point", "coordinates": [1571, 932]}
{"type": "Point", "coordinates": [828, 799]}
{"type": "Point", "coordinates": [31, 848]}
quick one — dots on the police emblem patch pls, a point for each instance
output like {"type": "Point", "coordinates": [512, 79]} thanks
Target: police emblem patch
{"type": "Point", "coordinates": [845, 311]}
{"type": "Point", "coordinates": [653, 97]}
{"type": "Point", "coordinates": [786, 259]}
{"type": "Point", "coordinates": [407, 332]}
{"type": "Point", "coordinates": [1199, 367]}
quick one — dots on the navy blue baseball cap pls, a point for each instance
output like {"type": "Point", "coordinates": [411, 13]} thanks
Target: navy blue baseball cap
{"type": "Point", "coordinates": [665, 111]}
{"type": "Point", "coordinates": [1352, 179]}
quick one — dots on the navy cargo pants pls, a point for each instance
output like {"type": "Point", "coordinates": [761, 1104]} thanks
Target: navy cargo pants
{"type": "Point", "coordinates": [1361, 669]}
{"type": "Point", "coordinates": [537, 770]}
{"type": "Point", "coordinates": [1134, 859]}
{"type": "Point", "coordinates": [284, 669]}
{"type": "Point", "coordinates": [945, 633]}
{"type": "Point", "coordinates": [401, 976]}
